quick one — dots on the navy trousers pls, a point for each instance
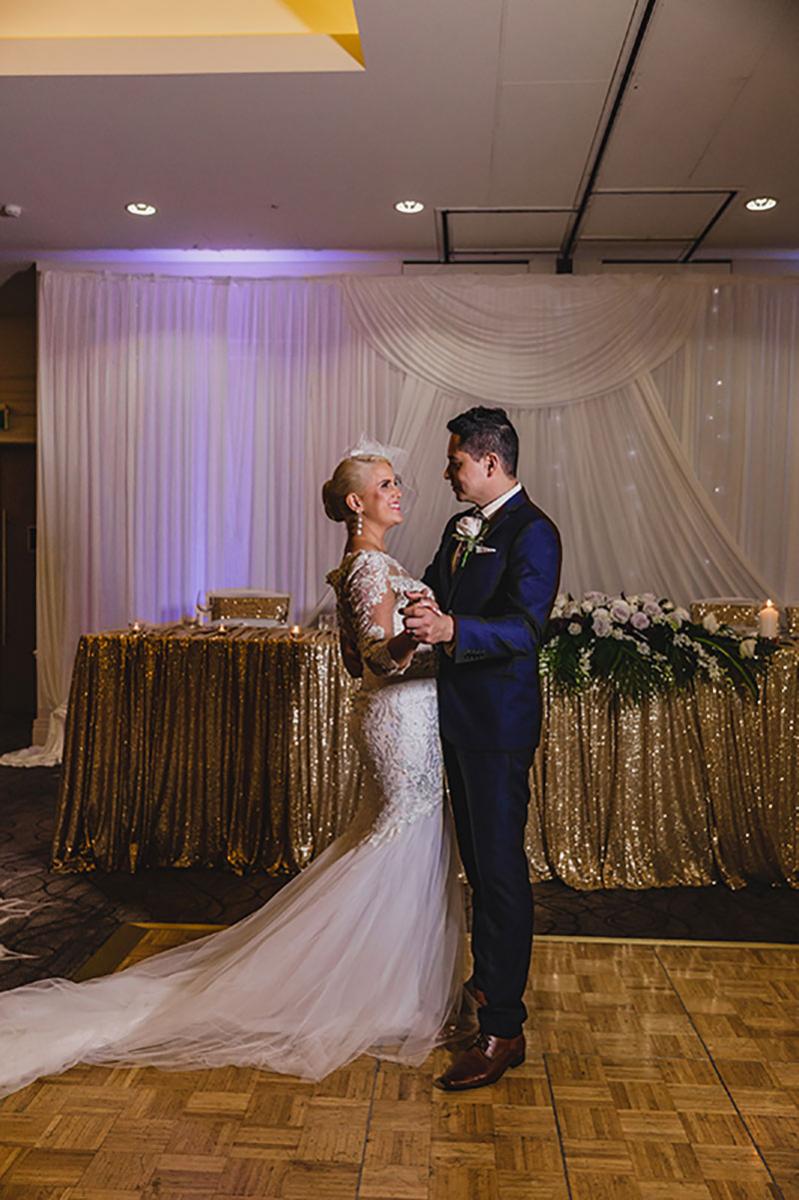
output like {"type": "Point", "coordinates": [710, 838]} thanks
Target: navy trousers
{"type": "Point", "coordinates": [490, 795]}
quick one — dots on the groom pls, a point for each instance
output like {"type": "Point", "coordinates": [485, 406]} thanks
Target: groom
{"type": "Point", "coordinates": [494, 577]}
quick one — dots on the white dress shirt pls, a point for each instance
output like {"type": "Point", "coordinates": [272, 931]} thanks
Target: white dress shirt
{"type": "Point", "coordinates": [493, 506]}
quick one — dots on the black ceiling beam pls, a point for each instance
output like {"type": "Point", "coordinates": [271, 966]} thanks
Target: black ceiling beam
{"type": "Point", "coordinates": [564, 264]}
{"type": "Point", "coordinates": [445, 232]}
{"type": "Point", "coordinates": [674, 262]}
{"type": "Point", "coordinates": [697, 242]}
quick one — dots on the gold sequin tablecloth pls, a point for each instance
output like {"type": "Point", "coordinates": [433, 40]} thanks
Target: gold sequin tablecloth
{"type": "Point", "coordinates": [198, 747]}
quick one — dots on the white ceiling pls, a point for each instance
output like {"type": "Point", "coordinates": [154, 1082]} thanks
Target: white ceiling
{"type": "Point", "coordinates": [463, 103]}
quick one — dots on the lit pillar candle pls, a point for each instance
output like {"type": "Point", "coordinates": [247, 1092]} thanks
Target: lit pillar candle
{"type": "Point", "coordinates": [768, 621]}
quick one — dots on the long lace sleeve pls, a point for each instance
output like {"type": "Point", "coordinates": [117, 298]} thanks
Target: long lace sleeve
{"type": "Point", "coordinates": [371, 603]}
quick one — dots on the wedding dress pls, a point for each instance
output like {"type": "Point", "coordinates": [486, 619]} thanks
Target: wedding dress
{"type": "Point", "coordinates": [359, 953]}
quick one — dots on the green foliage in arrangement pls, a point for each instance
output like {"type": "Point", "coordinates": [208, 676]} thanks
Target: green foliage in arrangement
{"type": "Point", "coordinates": [642, 646]}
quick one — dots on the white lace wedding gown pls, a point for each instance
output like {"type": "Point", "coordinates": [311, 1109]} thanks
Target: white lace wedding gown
{"type": "Point", "coordinates": [359, 953]}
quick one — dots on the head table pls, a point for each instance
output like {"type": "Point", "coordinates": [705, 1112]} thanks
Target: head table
{"type": "Point", "coordinates": [194, 746]}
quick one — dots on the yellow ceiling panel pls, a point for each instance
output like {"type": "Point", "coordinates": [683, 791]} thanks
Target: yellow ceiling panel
{"type": "Point", "coordinates": [98, 37]}
{"type": "Point", "coordinates": [177, 18]}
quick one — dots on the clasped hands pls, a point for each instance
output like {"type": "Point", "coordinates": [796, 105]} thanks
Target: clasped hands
{"type": "Point", "coordinates": [425, 622]}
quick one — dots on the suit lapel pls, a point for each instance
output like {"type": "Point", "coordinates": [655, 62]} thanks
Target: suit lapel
{"type": "Point", "coordinates": [454, 582]}
{"type": "Point", "coordinates": [449, 577]}
{"type": "Point", "coordinates": [493, 525]}
{"type": "Point", "coordinates": [509, 507]}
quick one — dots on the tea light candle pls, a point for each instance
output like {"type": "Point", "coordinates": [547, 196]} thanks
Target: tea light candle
{"type": "Point", "coordinates": [135, 626]}
{"type": "Point", "coordinates": [295, 631]}
{"type": "Point", "coordinates": [768, 621]}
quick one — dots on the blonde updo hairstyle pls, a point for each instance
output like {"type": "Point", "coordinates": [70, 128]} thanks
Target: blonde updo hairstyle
{"type": "Point", "coordinates": [351, 475]}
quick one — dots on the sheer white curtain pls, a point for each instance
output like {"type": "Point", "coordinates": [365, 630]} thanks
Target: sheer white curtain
{"type": "Point", "coordinates": [576, 361]}
{"type": "Point", "coordinates": [186, 425]}
{"type": "Point", "coordinates": [732, 394]}
{"type": "Point", "coordinates": [612, 474]}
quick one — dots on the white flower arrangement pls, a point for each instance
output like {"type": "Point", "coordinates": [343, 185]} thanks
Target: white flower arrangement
{"type": "Point", "coordinates": [642, 645]}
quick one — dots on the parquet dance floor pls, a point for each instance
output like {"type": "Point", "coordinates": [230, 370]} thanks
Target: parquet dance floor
{"type": "Point", "coordinates": [655, 1071]}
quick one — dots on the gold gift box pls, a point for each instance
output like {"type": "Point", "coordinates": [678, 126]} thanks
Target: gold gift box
{"type": "Point", "coordinates": [740, 614]}
{"type": "Point", "coordinates": [243, 606]}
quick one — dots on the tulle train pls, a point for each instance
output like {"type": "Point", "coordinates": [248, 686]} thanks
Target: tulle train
{"type": "Point", "coordinates": [359, 953]}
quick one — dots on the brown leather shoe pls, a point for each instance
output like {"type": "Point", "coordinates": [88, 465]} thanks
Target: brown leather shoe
{"type": "Point", "coordinates": [483, 1063]}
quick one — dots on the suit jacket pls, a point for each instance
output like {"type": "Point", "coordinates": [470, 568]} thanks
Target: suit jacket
{"type": "Point", "coordinates": [489, 690]}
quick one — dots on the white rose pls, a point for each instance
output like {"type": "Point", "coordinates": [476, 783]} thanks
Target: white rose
{"type": "Point", "coordinates": [574, 628]}
{"type": "Point", "coordinates": [652, 608]}
{"type": "Point", "coordinates": [634, 600]}
{"type": "Point", "coordinates": [587, 606]}
{"type": "Point", "coordinates": [469, 526]}
{"type": "Point", "coordinates": [617, 634]}
{"type": "Point", "coordinates": [747, 648]}
{"type": "Point", "coordinates": [710, 623]}
{"type": "Point", "coordinates": [596, 597]}
{"type": "Point", "coordinates": [640, 621]}
{"type": "Point", "coordinates": [682, 614]}
{"type": "Point", "coordinates": [573, 610]}
{"type": "Point", "coordinates": [643, 648]}
{"type": "Point", "coordinates": [602, 614]}
{"type": "Point", "coordinates": [620, 611]}
{"type": "Point", "coordinates": [601, 625]}
{"type": "Point", "coordinates": [648, 598]}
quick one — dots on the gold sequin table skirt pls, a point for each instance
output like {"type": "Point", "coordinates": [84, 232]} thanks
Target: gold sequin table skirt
{"type": "Point", "coordinates": [193, 747]}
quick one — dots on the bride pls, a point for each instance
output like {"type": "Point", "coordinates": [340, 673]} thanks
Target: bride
{"type": "Point", "coordinates": [360, 953]}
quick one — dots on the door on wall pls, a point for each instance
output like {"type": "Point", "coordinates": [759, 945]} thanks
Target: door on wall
{"type": "Point", "coordinates": [17, 580]}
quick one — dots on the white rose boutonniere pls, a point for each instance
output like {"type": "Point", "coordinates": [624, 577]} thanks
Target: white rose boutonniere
{"type": "Point", "coordinates": [468, 527]}
{"type": "Point", "coordinates": [470, 531]}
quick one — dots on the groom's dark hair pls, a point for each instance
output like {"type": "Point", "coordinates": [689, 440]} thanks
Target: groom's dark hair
{"type": "Point", "coordinates": [487, 430]}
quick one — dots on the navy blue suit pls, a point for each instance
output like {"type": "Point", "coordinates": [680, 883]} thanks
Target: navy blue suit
{"type": "Point", "coordinates": [489, 697]}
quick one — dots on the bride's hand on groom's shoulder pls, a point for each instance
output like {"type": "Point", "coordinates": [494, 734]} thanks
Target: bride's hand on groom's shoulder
{"type": "Point", "coordinates": [425, 622]}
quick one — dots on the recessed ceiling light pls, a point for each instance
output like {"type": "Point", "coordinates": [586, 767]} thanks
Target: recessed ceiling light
{"type": "Point", "coordinates": [761, 203]}
{"type": "Point", "coordinates": [138, 209]}
{"type": "Point", "coordinates": [409, 206]}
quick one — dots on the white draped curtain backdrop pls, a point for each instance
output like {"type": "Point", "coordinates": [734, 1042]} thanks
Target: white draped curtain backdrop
{"type": "Point", "coordinates": [186, 426]}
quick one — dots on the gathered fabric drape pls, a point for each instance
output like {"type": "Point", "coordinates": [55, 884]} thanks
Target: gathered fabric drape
{"type": "Point", "coordinates": [517, 340]}
{"type": "Point", "coordinates": [186, 426]}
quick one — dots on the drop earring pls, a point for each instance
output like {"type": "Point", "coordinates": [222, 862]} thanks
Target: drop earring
{"type": "Point", "coordinates": [358, 524]}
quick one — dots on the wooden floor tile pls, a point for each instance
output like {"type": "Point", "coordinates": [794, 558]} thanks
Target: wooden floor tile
{"type": "Point", "coordinates": [312, 1181]}
{"type": "Point", "coordinates": [48, 1168]}
{"type": "Point", "coordinates": [659, 1190]}
{"type": "Point", "coordinates": [32, 1191]}
{"type": "Point", "coordinates": [594, 1186]}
